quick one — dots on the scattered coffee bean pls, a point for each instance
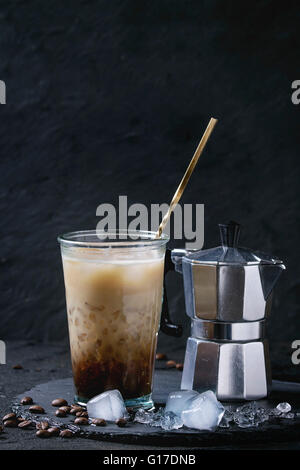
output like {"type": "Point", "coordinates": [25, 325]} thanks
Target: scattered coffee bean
{"type": "Point", "coordinates": [161, 357]}
{"type": "Point", "coordinates": [66, 433]}
{"type": "Point", "coordinates": [171, 364]}
{"type": "Point", "coordinates": [121, 422]}
{"type": "Point", "coordinates": [82, 414]}
{"type": "Point", "coordinates": [99, 422]}
{"type": "Point", "coordinates": [42, 425]}
{"type": "Point", "coordinates": [82, 421]}
{"type": "Point", "coordinates": [18, 366]}
{"type": "Point", "coordinates": [179, 366]}
{"type": "Point", "coordinates": [66, 409]}
{"type": "Point", "coordinates": [59, 402]}
{"type": "Point", "coordinates": [60, 413]}
{"type": "Point", "coordinates": [54, 431]}
{"type": "Point", "coordinates": [9, 416]}
{"type": "Point", "coordinates": [20, 420]}
{"type": "Point", "coordinates": [36, 409]}
{"type": "Point", "coordinates": [25, 424]}
{"type": "Point", "coordinates": [11, 423]}
{"type": "Point", "coordinates": [43, 433]}
{"type": "Point", "coordinates": [75, 409]}
{"type": "Point", "coordinates": [26, 401]}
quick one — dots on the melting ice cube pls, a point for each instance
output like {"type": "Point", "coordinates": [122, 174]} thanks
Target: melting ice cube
{"type": "Point", "coordinates": [204, 412]}
{"type": "Point", "coordinates": [262, 415]}
{"type": "Point", "coordinates": [289, 415]}
{"type": "Point", "coordinates": [143, 416]}
{"type": "Point", "coordinates": [108, 405]}
{"type": "Point", "coordinates": [244, 416]}
{"type": "Point", "coordinates": [251, 414]}
{"type": "Point", "coordinates": [170, 421]}
{"type": "Point", "coordinates": [166, 420]}
{"type": "Point", "coordinates": [148, 417]}
{"type": "Point", "coordinates": [228, 417]}
{"type": "Point", "coordinates": [284, 407]}
{"type": "Point", "coordinates": [179, 401]}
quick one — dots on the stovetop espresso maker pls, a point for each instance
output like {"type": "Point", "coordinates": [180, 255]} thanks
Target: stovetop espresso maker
{"type": "Point", "coordinates": [228, 295]}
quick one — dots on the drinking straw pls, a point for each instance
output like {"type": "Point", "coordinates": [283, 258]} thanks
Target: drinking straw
{"type": "Point", "coordinates": [187, 175]}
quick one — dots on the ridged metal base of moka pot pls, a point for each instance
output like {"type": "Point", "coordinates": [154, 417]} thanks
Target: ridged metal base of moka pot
{"type": "Point", "coordinates": [232, 359]}
{"type": "Point", "coordinates": [228, 296]}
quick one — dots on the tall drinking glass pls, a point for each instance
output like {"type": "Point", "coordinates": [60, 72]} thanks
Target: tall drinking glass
{"type": "Point", "coordinates": [114, 288]}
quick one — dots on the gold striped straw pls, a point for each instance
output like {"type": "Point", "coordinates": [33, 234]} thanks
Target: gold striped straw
{"type": "Point", "coordinates": [187, 175]}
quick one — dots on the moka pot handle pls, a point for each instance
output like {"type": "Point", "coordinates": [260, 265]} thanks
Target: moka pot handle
{"type": "Point", "coordinates": [166, 324]}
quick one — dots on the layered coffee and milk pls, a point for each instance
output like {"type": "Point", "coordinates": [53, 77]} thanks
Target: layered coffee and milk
{"type": "Point", "coordinates": [114, 304]}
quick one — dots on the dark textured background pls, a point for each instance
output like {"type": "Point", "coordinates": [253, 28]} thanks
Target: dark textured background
{"type": "Point", "coordinates": [110, 98]}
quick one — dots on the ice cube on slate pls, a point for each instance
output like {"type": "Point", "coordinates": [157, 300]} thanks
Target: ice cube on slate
{"type": "Point", "coordinates": [156, 418]}
{"type": "Point", "coordinates": [283, 407]}
{"type": "Point", "coordinates": [170, 421]}
{"type": "Point", "coordinates": [143, 416]}
{"type": "Point", "coordinates": [204, 412]}
{"type": "Point", "coordinates": [227, 418]}
{"type": "Point", "coordinates": [262, 415]}
{"type": "Point", "coordinates": [166, 420]}
{"type": "Point", "coordinates": [289, 415]}
{"type": "Point", "coordinates": [179, 401]}
{"type": "Point", "coordinates": [251, 415]}
{"type": "Point", "coordinates": [150, 417]}
{"type": "Point", "coordinates": [244, 416]}
{"type": "Point", "coordinates": [108, 405]}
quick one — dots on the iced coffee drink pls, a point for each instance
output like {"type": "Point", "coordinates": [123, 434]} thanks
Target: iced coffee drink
{"type": "Point", "coordinates": [114, 298]}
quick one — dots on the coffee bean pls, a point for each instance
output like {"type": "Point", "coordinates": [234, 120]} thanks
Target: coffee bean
{"type": "Point", "coordinates": [26, 401]}
{"type": "Point", "coordinates": [18, 366]}
{"type": "Point", "coordinates": [99, 422]}
{"type": "Point", "coordinates": [66, 433]}
{"type": "Point", "coordinates": [66, 409]}
{"type": "Point", "coordinates": [42, 433]}
{"type": "Point", "coordinates": [36, 409]}
{"type": "Point", "coordinates": [179, 366]}
{"type": "Point", "coordinates": [42, 425]}
{"type": "Point", "coordinates": [20, 420]}
{"type": "Point", "coordinates": [11, 423]}
{"type": "Point", "coordinates": [82, 414]}
{"type": "Point", "coordinates": [54, 431]}
{"type": "Point", "coordinates": [9, 416]}
{"type": "Point", "coordinates": [25, 424]}
{"type": "Point", "coordinates": [121, 422]}
{"type": "Point", "coordinates": [75, 409]}
{"type": "Point", "coordinates": [59, 402]}
{"type": "Point", "coordinates": [60, 413]}
{"type": "Point", "coordinates": [82, 421]}
{"type": "Point", "coordinates": [171, 364]}
{"type": "Point", "coordinates": [161, 357]}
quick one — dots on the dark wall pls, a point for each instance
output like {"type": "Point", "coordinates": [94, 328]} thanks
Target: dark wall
{"type": "Point", "coordinates": [110, 98]}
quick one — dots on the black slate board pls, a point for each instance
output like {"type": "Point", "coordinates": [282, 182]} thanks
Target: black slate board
{"type": "Point", "coordinates": [166, 381]}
